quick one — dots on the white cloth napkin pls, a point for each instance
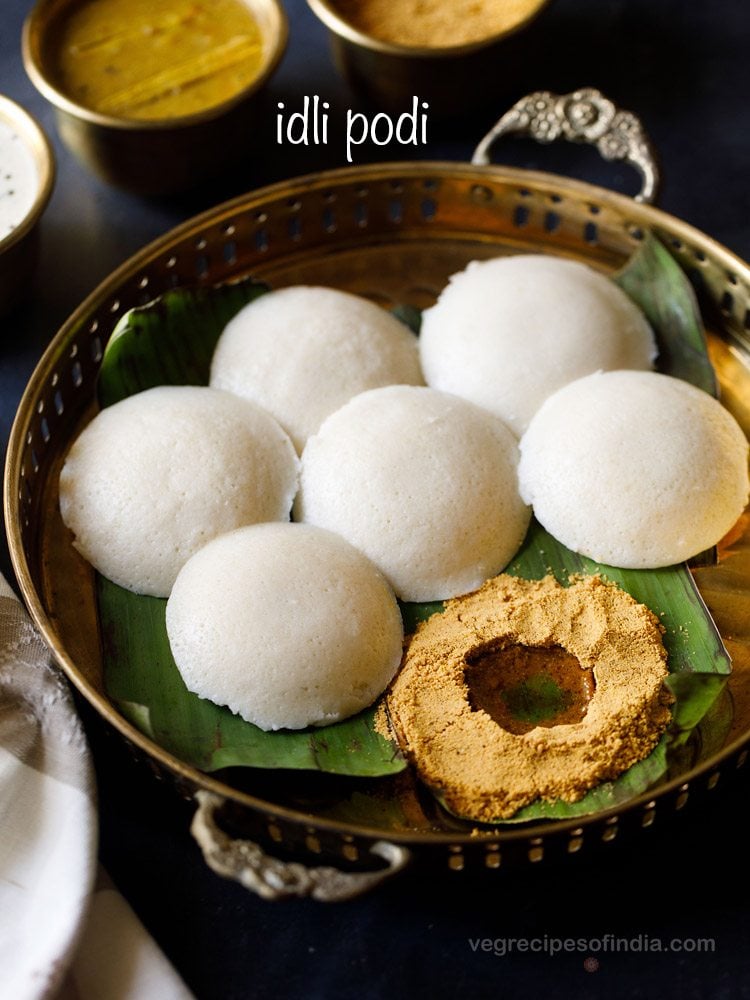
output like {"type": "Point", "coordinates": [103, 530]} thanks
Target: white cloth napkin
{"type": "Point", "coordinates": [60, 937]}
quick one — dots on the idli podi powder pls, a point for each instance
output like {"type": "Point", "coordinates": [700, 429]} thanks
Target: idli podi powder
{"type": "Point", "coordinates": [435, 23]}
{"type": "Point", "coordinates": [602, 675]}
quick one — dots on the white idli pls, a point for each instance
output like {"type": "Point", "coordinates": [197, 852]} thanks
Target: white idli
{"type": "Point", "coordinates": [286, 624]}
{"type": "Point", "coordinates": [154, 477]}
{"type": "Point", "coordinates": [634, 469]}
{"type": "Point", "coordinates": [423, 483]}
{"type": "Point", "coordinates": [302, 352]}
{"type": "Point", "coordinates": [506, 333]}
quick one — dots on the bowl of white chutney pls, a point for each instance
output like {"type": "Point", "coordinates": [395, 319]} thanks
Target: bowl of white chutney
{"type": "Point", "coordinates": [27, 174]}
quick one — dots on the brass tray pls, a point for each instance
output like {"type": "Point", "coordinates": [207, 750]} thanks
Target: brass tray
{"type": "Point", "coordinates": [394, 233]}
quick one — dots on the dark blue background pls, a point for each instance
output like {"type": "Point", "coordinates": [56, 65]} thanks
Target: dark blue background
{"type": "Point", "coordinates": [683, 66]}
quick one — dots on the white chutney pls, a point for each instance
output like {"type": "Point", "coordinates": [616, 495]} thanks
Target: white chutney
{"type": "Point", "coordinates": [19, 179]}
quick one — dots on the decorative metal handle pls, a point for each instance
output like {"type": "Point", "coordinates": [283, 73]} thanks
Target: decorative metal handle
{"type": "Point", "coordinates": [583, 116]}
{"type": "Point", "coordinates": [248, 864]}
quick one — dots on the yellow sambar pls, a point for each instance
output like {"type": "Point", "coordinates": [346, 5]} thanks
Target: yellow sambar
{"type": "Point", "coordinates": [145, 60]}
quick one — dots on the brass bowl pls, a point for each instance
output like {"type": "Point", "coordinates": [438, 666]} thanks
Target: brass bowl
{"type": "Point", "coordinates": [451, 79]}
{"type": "Point", "coordinates": [160, 156]}
{"type": "Point", "coordinates": [393, 233]}
{"type": "Point", "coordinates": [18, 250]}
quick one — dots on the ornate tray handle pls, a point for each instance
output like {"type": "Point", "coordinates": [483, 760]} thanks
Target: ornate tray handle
{"type": "Point", "coordinates": [583, 116]}
{"type": "Point", "coordinates": [246, 863]}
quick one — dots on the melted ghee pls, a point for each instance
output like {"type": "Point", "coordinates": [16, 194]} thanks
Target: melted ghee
{"type": "Point", "coordinates": [147, 60]}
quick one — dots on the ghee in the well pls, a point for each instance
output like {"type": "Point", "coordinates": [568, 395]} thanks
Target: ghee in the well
{"type": "Point", "coordinates": [147, 60]}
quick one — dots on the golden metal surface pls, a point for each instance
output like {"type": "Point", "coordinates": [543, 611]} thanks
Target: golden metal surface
{"type": "Point", "coordinates": [395, 233]}
{"type": "Point", "coordinates": [157, 156]}
{"type": "Point", "coordinates": [18, 250]}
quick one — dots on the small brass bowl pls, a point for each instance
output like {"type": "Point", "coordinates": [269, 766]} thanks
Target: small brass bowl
{"type": "Point", "coordinates": [451, 79]}
{"type": "Point", "coordinates": [154, 156]}
{"type": "Point", "coordinates": [18, 249]}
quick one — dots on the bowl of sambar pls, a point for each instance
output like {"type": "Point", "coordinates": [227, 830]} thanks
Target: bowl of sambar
{"type": "Point", "coordinates": [154, 97]}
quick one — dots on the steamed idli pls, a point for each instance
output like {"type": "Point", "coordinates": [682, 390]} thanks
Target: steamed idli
{"type": "Point", "coordinates": [634, 469]}
{"type": "Point", "coordinates": [286, 624]}
{"type": "Point", "coordinates": [423, 482]}
{"type": "Point", "coordinates": [302, 352]}
{"type": "Point", "coordinates": [506, 333]}
{"type": "Point", "coordinates": [154, 477]}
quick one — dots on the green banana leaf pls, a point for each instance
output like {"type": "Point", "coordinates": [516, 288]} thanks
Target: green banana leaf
{"type": "Point", "coordinates": [655, 281]}
{"type": "Point", "coordinates": [170, 341]}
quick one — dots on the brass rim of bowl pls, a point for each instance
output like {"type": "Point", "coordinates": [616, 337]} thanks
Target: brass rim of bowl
{"type": "Point", "coordinates": [326, 11]}
{"type": "Point", "coordinates": [31, 131]}
{"type": "Point", "coordinates": [33, 32]}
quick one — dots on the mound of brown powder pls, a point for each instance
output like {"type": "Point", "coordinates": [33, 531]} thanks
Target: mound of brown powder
{"type": "Point", "coordinates": [446, 719]}
{"type": "Point", "coordinates": [435, 23]}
